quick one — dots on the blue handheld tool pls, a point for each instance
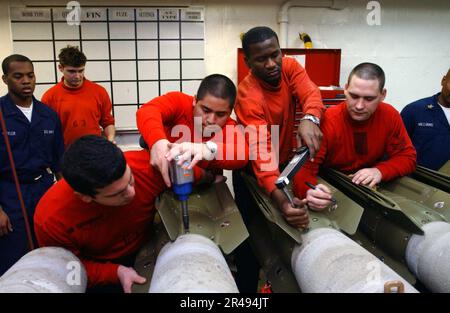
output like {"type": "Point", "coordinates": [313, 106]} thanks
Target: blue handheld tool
{"type": "Point", "coordinates": [182, 180]}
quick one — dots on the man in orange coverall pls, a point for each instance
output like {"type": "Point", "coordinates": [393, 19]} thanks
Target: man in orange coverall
{"type": "Point", "coordinates": [101, 211]}
{"type": "Point", "coordinates": [82, 106]}
{"type": "Point", "coordinates": [267, 97]}
{"type": "Point", "coordinates": [267, 100]}
{"type": "Point", "coordinates": [363, 136]}
{"type": "Point", "coordinates": [179, 124]}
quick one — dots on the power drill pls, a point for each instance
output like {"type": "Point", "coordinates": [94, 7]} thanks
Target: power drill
{"type": "Point", "coordinates": [182, 181]}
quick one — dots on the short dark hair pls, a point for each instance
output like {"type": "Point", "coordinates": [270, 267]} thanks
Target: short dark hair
{"type": "Point", "coordinates": [448, 73]}
{"type": "Point", "coordinates": [13, 58]}
{"type": "Point", "coordinates": [91, 163]}
{"type": "Point", "coordinates": [219, 86]}
{"type": "Point", "coordinates": [71, 56]}
{"type": "Point", "coordinates": [255, 35]}
{"type": "Point", "coordinates": [368, 71]}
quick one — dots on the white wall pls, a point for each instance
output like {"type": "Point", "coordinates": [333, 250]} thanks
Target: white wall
{"type": "Point", "coordinates": [5, 37]}
{"type": "Point", "coordinates": [412, 43]}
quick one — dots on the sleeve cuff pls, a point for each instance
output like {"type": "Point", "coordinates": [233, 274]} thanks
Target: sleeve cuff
{"type": "Point", "coordinates": [384, 173]}
{"type": "Point", "coordinates": [268, 184]}
{"type": "Point", "coordinates": [106, 124]}
{"type": "Point", "coordinates": [198, 173]}
{"type": "Point", "coordinates": [316, 112]}
{"type": "Point", "coordinates": [111, 273]}
{"type": "Point", "coordinates": [154, 137]}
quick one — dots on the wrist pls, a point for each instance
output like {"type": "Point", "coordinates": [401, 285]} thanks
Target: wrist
{"type": "Point", "coordinates": [162, 140]}
{"type": "Point", "coordinates": [312, 207]}
{"type": "Point", "coordinates": [120, 271]}
{"type": "Point", "coordinates": [311, 118]}
{"type": "Point", "coordinates": [160, 143]}
{"type": "Point", "coordinates": [279, 198]}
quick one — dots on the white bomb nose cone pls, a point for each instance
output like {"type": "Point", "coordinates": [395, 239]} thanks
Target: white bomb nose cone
{"type": "Point", "coordinates": [428, 256]}
{"type": "Point", "coordinates": [192, 264]}
{"type": "Point", "coordinates": [329, 261]}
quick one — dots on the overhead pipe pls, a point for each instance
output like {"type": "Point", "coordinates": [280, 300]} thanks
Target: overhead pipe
{"type": "Point", "coordinates": [283, 13]}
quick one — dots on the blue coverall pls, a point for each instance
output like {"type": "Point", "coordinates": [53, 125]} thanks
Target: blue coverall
{"type": "Point", "coordinates": [429, 131]}
{"type": "Point", "coordinates": [37, 148]}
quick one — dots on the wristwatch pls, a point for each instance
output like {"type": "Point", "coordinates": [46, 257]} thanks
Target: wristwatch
{"type": "Point", "coordinates": [311, 118]}
{"type": "Point", "coordinates": [212, 147]}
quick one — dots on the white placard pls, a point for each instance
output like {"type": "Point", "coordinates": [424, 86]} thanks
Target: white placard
{"type": "Point", "coordinates": [28, 14]}
{"type": "Point", "coordinates": [168, 14]}
{"type": "Point", "coordinates": [60, 14]}
{"type": "Point", "coordinates": [93, 14]}
{"type": "Point", "coordinates": [121, 14]}
{"type": "Point", "coordinates": [194, 15]}
{"type": "Point", "coordinates": [145, 14]}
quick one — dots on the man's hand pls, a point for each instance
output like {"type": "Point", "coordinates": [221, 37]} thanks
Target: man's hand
{"type": "Point", "coordinates": [310, 134]}
{"type": "Point", "coordinates": [158, 158]}
{"type": "Point", "coordinates": [367, 176]}
{"type": "Point", "coordinates": [5, 224]}
{"type": "Point", "coordinates": [320, 198]}
{"type": "Point", "coordinates": [128, 277]}
{"type": "Point", "coordinates": [295, 216]}
{"type": "Point", "coordinates": [187, 151]}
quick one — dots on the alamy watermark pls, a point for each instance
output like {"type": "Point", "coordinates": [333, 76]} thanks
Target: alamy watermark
{"type": "Point", "coordinates": [73, 277]}
{"type": "Point", "coordinates": [374, 275]}
{"type": "Point", "coordinates": [73, 17]}
{"type": "Point", "coordinates": [374, 16]}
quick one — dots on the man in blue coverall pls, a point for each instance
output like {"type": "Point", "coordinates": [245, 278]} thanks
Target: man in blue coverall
{"type": "Point", "coordinates": [34, 132]}
{"type": "Point", "coordinates": [428, 124]}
